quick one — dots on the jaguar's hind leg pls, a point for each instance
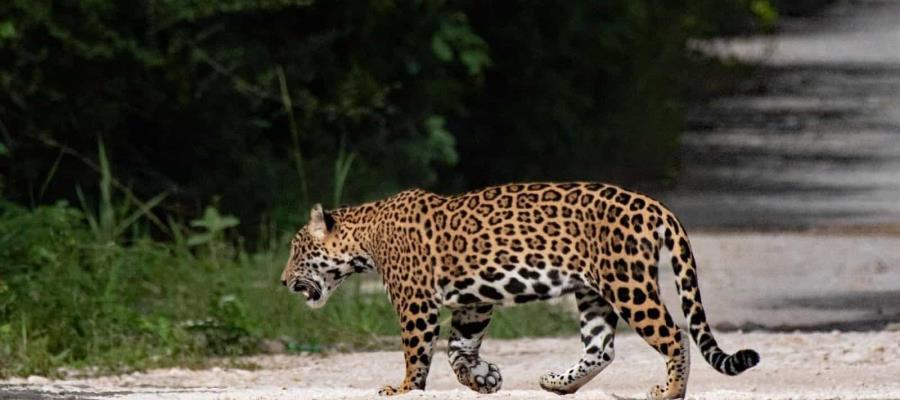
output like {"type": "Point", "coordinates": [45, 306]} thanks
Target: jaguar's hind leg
{"type": "Point", "coordinates": [598, 326]}
{"type": "Point", "coordinates": [469, 325]}
{"type": "Point", "coordinates": [678, 364]}
{"type": "Point", "coordinates": [639, 305]}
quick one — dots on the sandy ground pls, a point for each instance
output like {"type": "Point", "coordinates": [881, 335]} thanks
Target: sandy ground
{"type": "Point", "coordinates": [860, 365]}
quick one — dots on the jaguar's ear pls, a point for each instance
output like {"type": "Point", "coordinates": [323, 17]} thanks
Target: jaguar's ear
{"type": "Point", "coordinates": [321, 223]}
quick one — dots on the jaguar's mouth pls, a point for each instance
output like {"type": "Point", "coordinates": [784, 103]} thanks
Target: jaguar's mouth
{"type": "Point", "coordinates": [308, 289]}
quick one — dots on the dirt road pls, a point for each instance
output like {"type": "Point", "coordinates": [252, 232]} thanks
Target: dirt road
{"type": "Point", "coordinates": [794, 366]}
{"type": "Point", "coordinates": [813, 139]}
{"type": "Point", "coordinates": [788, 281]}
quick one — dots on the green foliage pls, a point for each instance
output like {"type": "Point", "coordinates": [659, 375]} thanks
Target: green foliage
{"type": "Point", "coordinates": [213, 224]}
{"type": "Point", "coordinates": [3, 152]}
{"type": "Point", "coordinates": [534, 320]}
{"type": "Point", "coordinates": [71, 299]}
{"type": "Point", "coordinates": [718, 18]}
{"type": "Point", "coordinates": [212, 235]}
{"type": "Point", "coordinates": [273, 105]}
{"type": "Point", "coordinates": [764, 12]}
{"type": "Point", "coordinates": [217, 98]}
{"type": "Point", "coordinates": [109, 223]}
{"type": "Point", "coordinates": [7, 30]}
{"type": "Point", "coordinates": [342, 164]}
{"type": "Point", "coordinates": [455, 39]}
{"type": "Point", "coordinates": [229, 329]}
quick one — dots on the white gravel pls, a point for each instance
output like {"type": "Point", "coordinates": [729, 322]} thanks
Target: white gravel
{"type": "Point", "coordinates": [794, 366]}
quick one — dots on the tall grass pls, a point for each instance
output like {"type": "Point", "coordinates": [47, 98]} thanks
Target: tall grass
{"type": "Point", "coordinates": [343, 161]}
{"type": "Point", "coordinates": [111, 220]}
{"type": "Point", "coordinates": [342, 164]}
{"type": "Point", "coordinates": [296, 153]}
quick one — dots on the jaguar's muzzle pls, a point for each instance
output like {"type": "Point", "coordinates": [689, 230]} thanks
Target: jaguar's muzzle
{"type": "Point", "coordinates": [309, 289]}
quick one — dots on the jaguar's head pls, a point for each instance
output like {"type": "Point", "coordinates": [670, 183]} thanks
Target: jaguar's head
{"type": "Point", "coordinates": [323, 255]}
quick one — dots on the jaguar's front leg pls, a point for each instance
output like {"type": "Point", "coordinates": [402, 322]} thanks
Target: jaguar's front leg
{"type": "Point", "coordinates": [419, 330]}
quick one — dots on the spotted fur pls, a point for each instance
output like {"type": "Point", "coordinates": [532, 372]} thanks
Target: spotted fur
{"type": "Point", "coordinates": [515, 243]}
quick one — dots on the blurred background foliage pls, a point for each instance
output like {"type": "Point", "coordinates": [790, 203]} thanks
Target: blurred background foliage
{"type": "Point", "coordinates": [154, 154]}
{"type": "Point", "coordinates": [261, 103]}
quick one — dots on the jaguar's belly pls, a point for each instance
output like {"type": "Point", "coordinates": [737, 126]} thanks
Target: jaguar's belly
{"type": "Point", "coordinates": [511, 285]}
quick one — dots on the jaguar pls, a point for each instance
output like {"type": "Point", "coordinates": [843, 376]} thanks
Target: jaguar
{"type": "Point", "coordinates": [512, 244]}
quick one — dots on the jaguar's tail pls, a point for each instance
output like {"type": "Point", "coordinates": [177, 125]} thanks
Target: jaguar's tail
{"type": "Point", "coordinates": [685, 267]}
